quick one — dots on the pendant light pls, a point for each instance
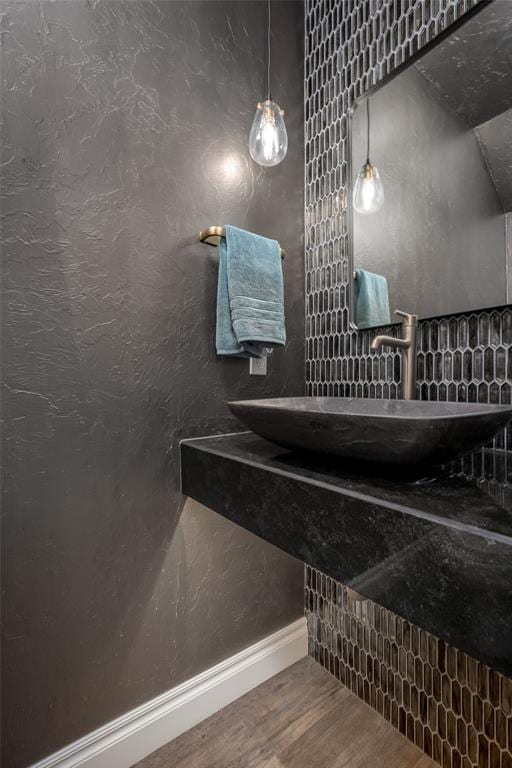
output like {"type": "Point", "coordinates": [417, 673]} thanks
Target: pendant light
{"type": "Point", "coordinates": [268, 141]}
{"type": "Point", "coordinates": [368, 189]}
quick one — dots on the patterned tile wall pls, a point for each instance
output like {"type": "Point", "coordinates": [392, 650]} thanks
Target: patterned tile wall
{"type": "Point", "coordinates": [452, 707]}
{"type": "Point", "coordinates": [458, 711]}
{"type": "Point", "coordinates": [350, 46]}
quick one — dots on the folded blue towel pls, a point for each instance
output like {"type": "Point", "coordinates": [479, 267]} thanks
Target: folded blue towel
{"type": "Point", "coordinates": [372, 299]}
{"type": "Point", "coordinates": [250, 299]}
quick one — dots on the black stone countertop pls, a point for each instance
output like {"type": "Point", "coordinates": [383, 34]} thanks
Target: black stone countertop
{"type": "Point", "coordinates": [436, 552]}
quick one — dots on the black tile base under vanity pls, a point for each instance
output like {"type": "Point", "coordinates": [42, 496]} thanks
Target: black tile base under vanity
{"type": "Point", "coordinates": [451, 706]}
{"type": "Point", "coordinates": [437, 553]}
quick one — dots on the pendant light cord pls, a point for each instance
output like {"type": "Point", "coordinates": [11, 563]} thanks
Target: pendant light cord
{"type": "Point", "coordinates": [368, 130]}
{"type": "Point", "coordinates": [268, 51]}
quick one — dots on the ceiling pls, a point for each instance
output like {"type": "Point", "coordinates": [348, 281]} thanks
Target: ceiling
{"type": "Point", "coordinates": [472, 70]}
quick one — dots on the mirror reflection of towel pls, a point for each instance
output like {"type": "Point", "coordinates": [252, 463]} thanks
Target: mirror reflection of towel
{"type": "Point", "coordinates": [372, 299]}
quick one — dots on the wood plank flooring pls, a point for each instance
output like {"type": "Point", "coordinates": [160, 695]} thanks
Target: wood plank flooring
{"type": "Point", "coordinates": [301, 718]}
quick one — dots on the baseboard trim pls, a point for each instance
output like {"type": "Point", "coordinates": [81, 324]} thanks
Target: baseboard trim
{"type": "Point", "coordinates": [129, 738]}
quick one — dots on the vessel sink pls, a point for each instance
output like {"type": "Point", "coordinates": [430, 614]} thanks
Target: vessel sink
{"type": "Point", "coordinates": [404, 432]}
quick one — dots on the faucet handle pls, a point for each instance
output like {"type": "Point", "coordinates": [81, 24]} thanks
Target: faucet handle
{"type": "Point", "coordinates": [407, 319]}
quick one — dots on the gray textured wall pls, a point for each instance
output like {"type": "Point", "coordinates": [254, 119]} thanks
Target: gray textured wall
{"type": "Point", "coordinates": [495, 142]}
{"type": "Point", "coordinates": [125, 132]}
{"type": "Point", "coordinates": [508, 243]}
{"type": "Point", "coordinates": [440, 236]}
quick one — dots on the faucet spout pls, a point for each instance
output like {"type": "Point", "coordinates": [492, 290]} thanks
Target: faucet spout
{"type": "Point", "coordinates": [408, 346]}
{"type": "Point", "coordinates": [388, 341]}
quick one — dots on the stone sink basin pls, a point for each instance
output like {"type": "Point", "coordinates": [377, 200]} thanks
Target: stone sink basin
{"type": "Point", "coordinates": [392, 432]}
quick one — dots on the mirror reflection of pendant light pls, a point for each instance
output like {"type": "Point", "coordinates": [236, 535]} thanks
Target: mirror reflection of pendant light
{"type": "Point", "coordinates": [268, 141]}
{"type": "Point", "coordinates": [368, 189]}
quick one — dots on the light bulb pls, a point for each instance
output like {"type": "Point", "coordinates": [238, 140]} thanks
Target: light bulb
{"type": "Point", "coordinates": [268, 141]}
{"type": "Point", "coordinates": [368, 190]}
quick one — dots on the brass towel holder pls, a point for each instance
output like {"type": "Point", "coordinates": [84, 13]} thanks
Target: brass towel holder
{"type": "Point", "coordinates": [212, 235]}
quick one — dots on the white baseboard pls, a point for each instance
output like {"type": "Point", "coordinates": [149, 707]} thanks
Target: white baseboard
{"type": "Point", "coordinates": [129, 738]}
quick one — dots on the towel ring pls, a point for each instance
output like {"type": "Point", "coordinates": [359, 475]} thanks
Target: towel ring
{"type": "Point", "coordinates": [212, 236]}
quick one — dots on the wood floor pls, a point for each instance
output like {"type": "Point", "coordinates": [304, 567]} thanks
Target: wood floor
{"type": "Point", "coordinates": [302, 718]}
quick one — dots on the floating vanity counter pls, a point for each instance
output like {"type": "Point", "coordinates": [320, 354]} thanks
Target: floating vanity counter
{"type": "Point", "coordinates": [436, 552]}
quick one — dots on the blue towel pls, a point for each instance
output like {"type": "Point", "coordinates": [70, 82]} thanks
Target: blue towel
{"type": "Point", "coordinates": [250, 299]}
{"type": "Point", "coordinates": [372, 299]}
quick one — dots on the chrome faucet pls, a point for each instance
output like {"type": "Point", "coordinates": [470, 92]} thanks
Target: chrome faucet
{"type": "Point", "coordinates": [408, 346]}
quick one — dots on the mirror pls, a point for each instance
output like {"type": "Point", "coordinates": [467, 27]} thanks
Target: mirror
{"type": "Point", "coordinates": [440, 135]}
